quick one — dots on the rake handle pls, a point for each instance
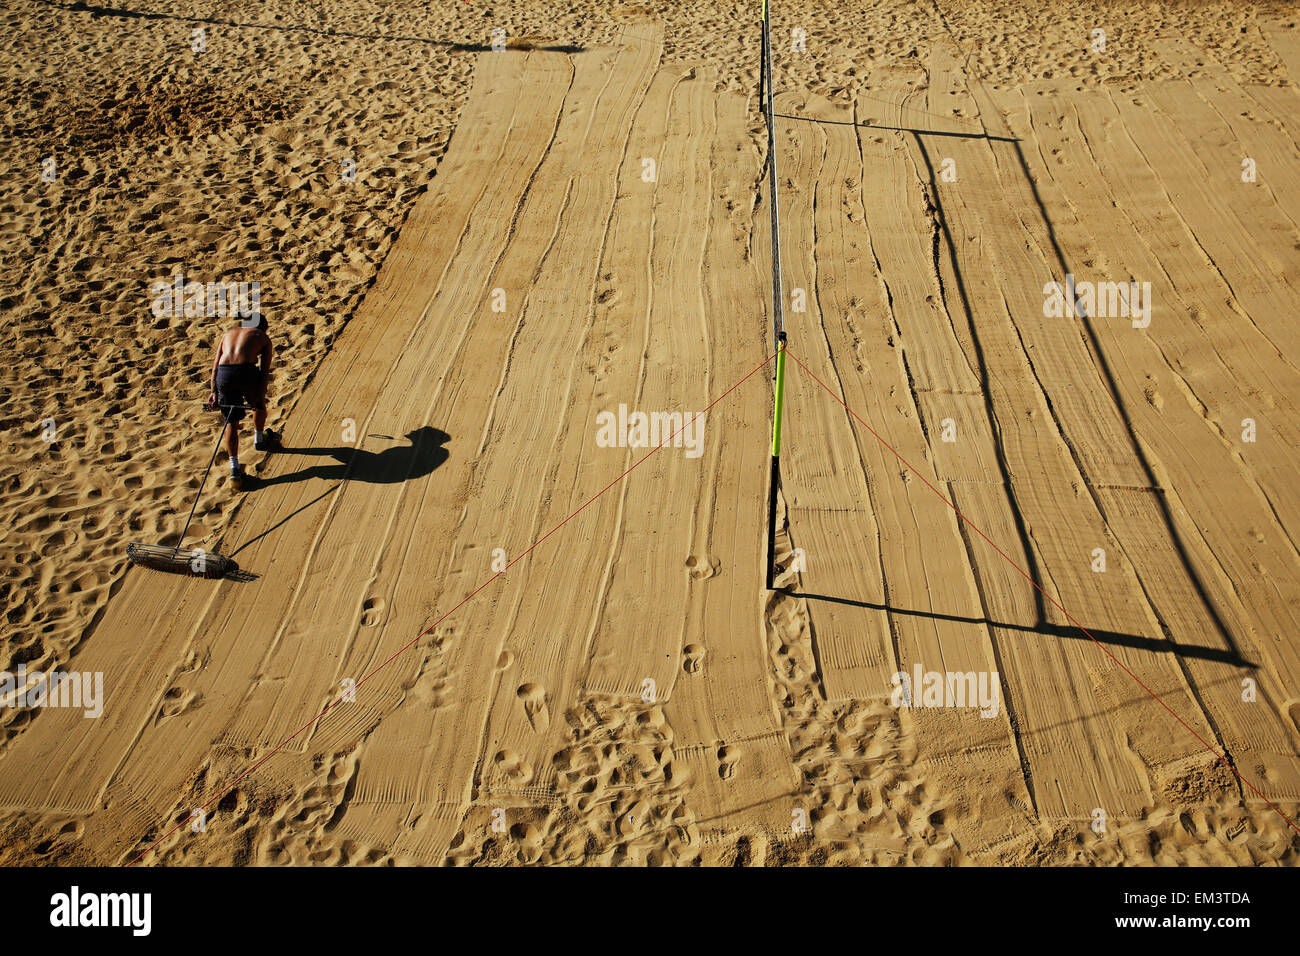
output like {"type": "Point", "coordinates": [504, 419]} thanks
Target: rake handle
{"type": "Point", "coordinates": [221, 434]}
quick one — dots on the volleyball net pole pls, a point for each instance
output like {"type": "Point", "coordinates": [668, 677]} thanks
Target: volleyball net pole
{"type": "Point", "coordinates": [778, 312]}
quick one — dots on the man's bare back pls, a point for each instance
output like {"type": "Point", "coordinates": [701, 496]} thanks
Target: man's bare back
{"type": "Point", "coordinates": [241, 346]}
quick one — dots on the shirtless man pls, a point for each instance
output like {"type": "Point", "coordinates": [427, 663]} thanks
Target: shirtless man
{"type": "Point", "coordinates": [239, 374]}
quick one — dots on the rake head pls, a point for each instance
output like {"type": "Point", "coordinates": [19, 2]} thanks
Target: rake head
{"type": "Point", "coordinates": [191, 562]}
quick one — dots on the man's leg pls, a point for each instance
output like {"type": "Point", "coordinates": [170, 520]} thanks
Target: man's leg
{"type": "Point", "coordinates": [227, 398]}
{"type": "Point", "coordinates": [232, 446]}
{"type": "Point", "coordinates": [261, 441]}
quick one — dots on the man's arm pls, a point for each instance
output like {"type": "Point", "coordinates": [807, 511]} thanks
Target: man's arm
{"type": "Point", "coordinates": [265, 358]}
{"type": "Point", "coordinates": [212, 377]}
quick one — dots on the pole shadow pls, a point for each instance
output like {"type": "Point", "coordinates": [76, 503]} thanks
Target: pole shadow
{"type": "Point", "coordinates": [1117, 638]}
{"type": "Point", "coordinates": [285, 520]}
{"type": "Point", "coordinates": [96, 10]}
{"type": "Point", "coordinates": [900, 129]}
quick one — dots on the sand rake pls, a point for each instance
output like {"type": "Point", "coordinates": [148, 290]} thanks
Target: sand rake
{"type": "Point", "coordinates": [192, 561]}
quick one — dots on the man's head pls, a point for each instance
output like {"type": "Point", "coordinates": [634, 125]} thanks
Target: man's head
{"type": "Point", "coordinates": [255, 321]}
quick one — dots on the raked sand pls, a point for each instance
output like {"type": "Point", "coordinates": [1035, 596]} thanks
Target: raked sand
{"type": "Point", "coordinates": [537, 236]}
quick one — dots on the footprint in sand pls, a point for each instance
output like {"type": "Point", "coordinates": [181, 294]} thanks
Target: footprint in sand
{"type": "Point", "coordinates": [534, 700]}
{"type": "Point", "coordinates": [702, 568]}
{"type": "Point", "coordinates": [513, 766]}
{"type": "Point", "coordinates": [728, 757]}
{"type": "Point", "coordinates": [177, 701]}
{"type": "Point", "coordinates": [372, 611]}
{"type": "Point", "coordinates": [693, 659]}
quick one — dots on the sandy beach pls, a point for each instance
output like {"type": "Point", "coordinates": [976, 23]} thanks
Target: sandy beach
{"type": "Point", "coordinates": [501, 596]}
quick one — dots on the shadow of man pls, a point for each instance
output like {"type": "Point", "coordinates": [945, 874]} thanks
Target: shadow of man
{"type": "Point", "coordinates": [395, 464]}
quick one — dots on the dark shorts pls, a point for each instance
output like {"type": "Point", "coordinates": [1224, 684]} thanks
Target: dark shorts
{"type": "Point", "coordinates": [238, 385]}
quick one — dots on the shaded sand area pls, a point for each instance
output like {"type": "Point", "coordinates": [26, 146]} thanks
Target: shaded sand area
{"type": "Point", "coordinates": [626, 691]}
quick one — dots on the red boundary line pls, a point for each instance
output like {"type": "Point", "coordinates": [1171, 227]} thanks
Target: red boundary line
{"type": "Point", "coordinates": [281, 745]}
{"type": "Point", "coordinates": [1222, 759]}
